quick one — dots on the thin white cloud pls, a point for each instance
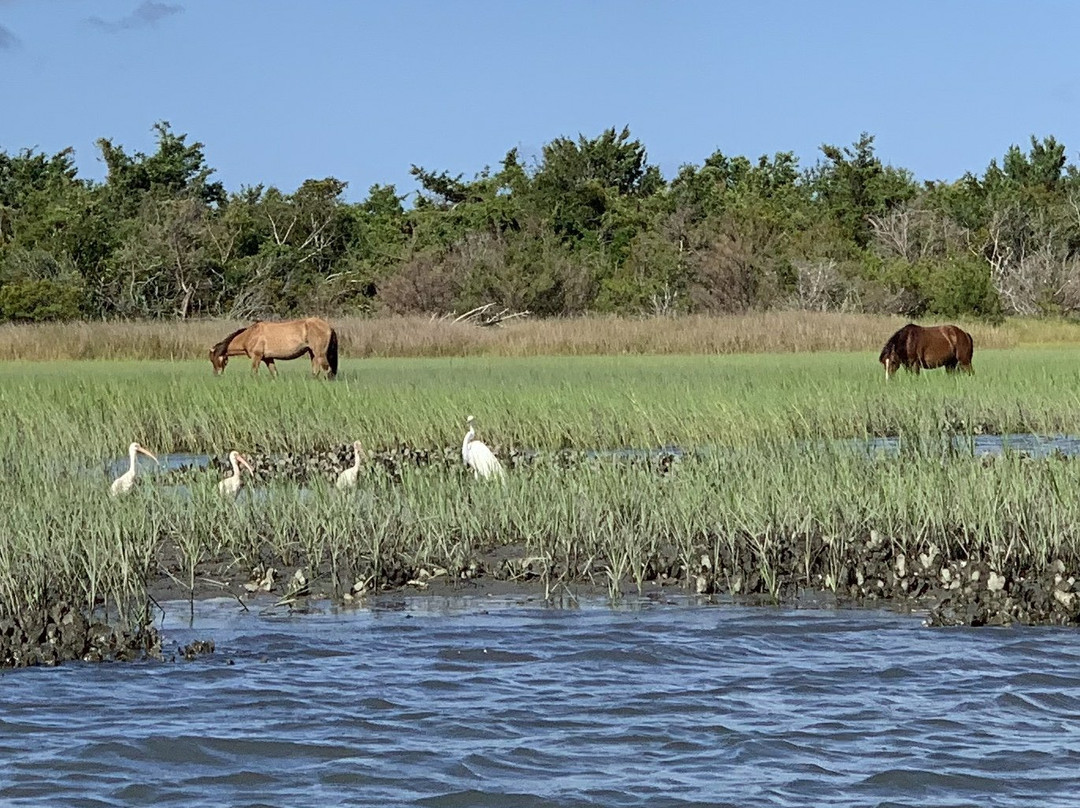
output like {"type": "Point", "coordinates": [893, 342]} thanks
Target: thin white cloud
{"type": "Point", "coordinates": [145, 14]}
{"type": "Point", "coordinates": [8, 40]}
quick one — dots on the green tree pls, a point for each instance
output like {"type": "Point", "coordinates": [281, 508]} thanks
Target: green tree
{"type": "Point", "coordinates": [854, 185]}
{"type": "Point", "coordinates": [175, 169]}
{"type": "Point", "coordinates": [579, 183]}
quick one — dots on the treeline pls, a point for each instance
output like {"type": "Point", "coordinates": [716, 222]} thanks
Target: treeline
{"type": "Point", "coordinates": [591, 227]}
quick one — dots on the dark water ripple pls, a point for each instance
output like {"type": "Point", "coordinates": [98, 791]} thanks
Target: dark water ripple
{"type": "Point", "coordinates": [449, 703]}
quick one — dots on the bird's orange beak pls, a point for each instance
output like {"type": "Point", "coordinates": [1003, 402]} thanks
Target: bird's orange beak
{"type": "Point", "coordinates": [243, 462]}
{"type": "Point", "coordinates": [149, 454]}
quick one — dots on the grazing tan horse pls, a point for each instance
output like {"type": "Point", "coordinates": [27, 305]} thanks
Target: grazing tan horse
{"type": "Point", "coordinates": [916, 347]}
{"type": "Point", "coordinates": [265, 342]}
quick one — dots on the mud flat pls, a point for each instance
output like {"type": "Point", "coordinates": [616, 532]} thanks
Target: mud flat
{"type": "Point", "coordinates": [63, 633]}
{"type": "Point", "coordinates": [949, 591]}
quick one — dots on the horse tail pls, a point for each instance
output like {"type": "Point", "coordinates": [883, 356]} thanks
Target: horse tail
{"type": "Point", "coordinates": [331, 354]}
{"type": "Point", "coordinates": [966, 350]}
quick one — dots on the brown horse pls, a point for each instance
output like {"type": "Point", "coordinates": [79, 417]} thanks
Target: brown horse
{"type": "Point", "coordinates": [265, 342]}
{"type": "Point", "coordinates": [917, 347]}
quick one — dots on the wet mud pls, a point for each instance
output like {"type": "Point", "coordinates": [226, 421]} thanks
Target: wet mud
{"type": "Point", "coordinates": [952, 588]}
{"type": "Point", "coordinates": [63, 633]}
{"type": "Point", "coordinates": [949, 591]}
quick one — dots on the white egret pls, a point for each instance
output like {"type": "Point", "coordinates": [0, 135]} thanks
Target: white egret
{"type": "Point", "coordinates": [230, 486]}
{"type": "Point", "coordinates": [124, 483]}
{"type": "Point", "coordinates": [478, 456]}
{"type": "Point", "coordinates": [347, 478]}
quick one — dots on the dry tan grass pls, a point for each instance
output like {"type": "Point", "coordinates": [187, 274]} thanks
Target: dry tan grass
{"type": "Point", "coordinates": [773, 332]}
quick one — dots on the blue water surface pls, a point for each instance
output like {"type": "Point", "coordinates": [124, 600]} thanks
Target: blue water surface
{"type": "Point", "coordinates": [471, 701]}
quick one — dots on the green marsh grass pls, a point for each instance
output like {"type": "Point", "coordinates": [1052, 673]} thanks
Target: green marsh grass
{"type": "Point", "coordinates": [90, 408]}
{"type": "Point", "coordinates": [773, 473]}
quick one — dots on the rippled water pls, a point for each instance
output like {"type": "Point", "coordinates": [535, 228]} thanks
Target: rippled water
{"type": "Point", "coordinates": [981, 445]}
{"type": "Point", "coordinates": [470, 702]}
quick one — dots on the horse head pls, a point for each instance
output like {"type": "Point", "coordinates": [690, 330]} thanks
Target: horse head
{"type": "Point", "coordinates": [890, 358]}
{"type": "Point", "coordinates": [219, 354]}
{"type": "Point", "coordinates": [219, 358]}
{"type": "Point", "coordinates": [895, 352]}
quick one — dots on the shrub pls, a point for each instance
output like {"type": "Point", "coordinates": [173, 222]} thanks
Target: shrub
{"type": "Point", "coordinates": [961, 286]}
{"type": "Point", "coordinates": [35, 301]}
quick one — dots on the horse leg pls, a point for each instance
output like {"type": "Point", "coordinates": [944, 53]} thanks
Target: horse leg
{"type": "Point", "coordinates": [271, 366]}
{"type": "Point", "coordinates": [256, 358]}
{"type": "Point", "coordinates": [318, 363]}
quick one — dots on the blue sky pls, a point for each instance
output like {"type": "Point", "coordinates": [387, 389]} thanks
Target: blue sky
{"type": "Point", "coordinates": [280, 91]}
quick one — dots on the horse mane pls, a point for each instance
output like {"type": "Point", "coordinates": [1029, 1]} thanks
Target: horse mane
{"type": "Point", "coordinates": [897, 344]}
{"type": "Point", "coordinates": [223, 346]}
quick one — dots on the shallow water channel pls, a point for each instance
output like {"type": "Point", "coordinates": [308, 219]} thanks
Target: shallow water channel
{"type": "Point", "coordinates": [977, 445]}
{"type": "Point", "coordinates": [1035, 446]}
{"type": "Point", "coordinates": [470, 701]}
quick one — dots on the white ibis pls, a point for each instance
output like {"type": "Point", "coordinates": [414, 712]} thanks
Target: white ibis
{"type": "Point", "coordinates": [478, 456]}
{"type": "Point", "coordinates": [230, 486]}
{"type": "Point", "coordinates": [347, 478]}
{"type": "Point", "coordinates": [124, 483]}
